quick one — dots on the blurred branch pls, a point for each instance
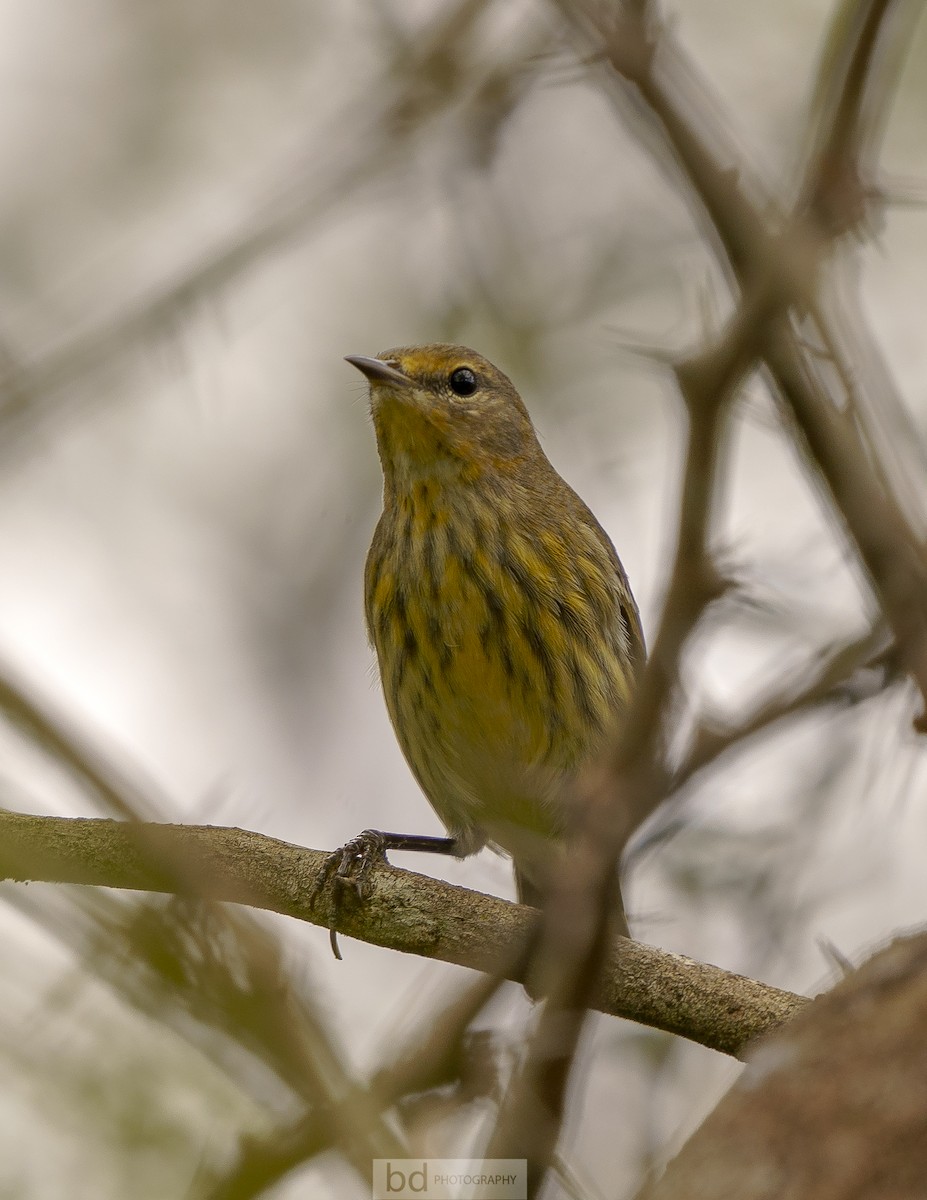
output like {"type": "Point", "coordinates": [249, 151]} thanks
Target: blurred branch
{"type": "Point", "coordinates": [842, 675]}
{"type": "Point", "coordinates": [778, 272]}
{"type": "Point", "coordinates": [831, 1106]}
{"type": "Point", "coordinates": [407, 912]}
{"type": "Point", "coordinates": [643, 55]}
{"type": "Point", "coordinates": [884, 422]}
{"type": "Point", "coordinates": [834, 188]}
{"type": "Point", "coordinates": [429, 1058]}
{"type": "Point", "coordinates": [67, 747]}
{"type": "Point", "coordinates": [415, 87]}
{"type": "Point", "coordinates": [173, 960]}
{"type": "Point", "coordinates": [578, 916]}
{"type": "Point", "coordinates": [31, 389]}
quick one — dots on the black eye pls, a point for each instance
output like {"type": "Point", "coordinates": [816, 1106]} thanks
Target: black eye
{"type": "Point", "coordinates": [463, 382]}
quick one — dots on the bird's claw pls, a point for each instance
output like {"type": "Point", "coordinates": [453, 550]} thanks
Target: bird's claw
{"type": "Point", "coordinates": [349, 867]}
{"type": "Point", "coordinates": [347, 871]}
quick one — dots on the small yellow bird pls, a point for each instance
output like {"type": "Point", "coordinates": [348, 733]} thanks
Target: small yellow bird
{"type": "Point", "coordinates": [507, 636]}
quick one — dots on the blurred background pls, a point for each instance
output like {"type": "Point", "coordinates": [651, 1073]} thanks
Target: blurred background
{"type": "Point", "coordinates": [202, 209]}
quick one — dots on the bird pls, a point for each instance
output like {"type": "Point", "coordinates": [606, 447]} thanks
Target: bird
{"type": "Point", "coordinates": [507, 636]}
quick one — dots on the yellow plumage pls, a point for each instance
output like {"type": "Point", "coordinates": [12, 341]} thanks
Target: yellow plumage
{"type": "Point", "coordinates": [507, 636]}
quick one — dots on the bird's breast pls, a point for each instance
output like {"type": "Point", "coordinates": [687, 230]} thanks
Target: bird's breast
{"type": "Point", "coordinates": [487, 632]}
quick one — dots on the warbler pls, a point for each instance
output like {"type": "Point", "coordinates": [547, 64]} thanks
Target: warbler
{"type": "Point", "coordinates": [506, 633]}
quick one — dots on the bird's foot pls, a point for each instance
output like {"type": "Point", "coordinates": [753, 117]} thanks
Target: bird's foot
{"type": "Point", "coordinates": [346, 873]}
{"type": "Point", "coordinates": [348, 868]}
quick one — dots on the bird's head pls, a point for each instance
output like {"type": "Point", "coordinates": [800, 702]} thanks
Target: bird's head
{"type": "Point", "coordinates": [443, 408]}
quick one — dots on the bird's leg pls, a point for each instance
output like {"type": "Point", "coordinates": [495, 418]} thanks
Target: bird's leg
{"type": "Point", "coordinates": [348, 868]}
{"type": "Point", "coordinates": [423, 843]}
{"type": "Point", "coordinates": [350, 865]}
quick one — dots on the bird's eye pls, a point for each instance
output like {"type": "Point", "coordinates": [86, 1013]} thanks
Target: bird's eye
{"type": "Point", "coordinates": [463, 382]}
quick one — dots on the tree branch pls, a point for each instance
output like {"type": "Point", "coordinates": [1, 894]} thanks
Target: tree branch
{"type": "Point", "coordinates": [408, 912]}
{"type": "Point", "coordinates": [650, 68]}
{"type": "Point", "coordinates": [833, 1106]}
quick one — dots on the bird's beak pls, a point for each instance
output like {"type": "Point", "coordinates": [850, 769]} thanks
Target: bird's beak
{"type": "Point", "coordinates": [377, 371]}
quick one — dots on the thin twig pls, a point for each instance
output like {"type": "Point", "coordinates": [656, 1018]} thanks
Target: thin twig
{"type": "Point", "coordinates": [429, 1057]}
{"type": "Point", "coordinates": [831, 682]}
